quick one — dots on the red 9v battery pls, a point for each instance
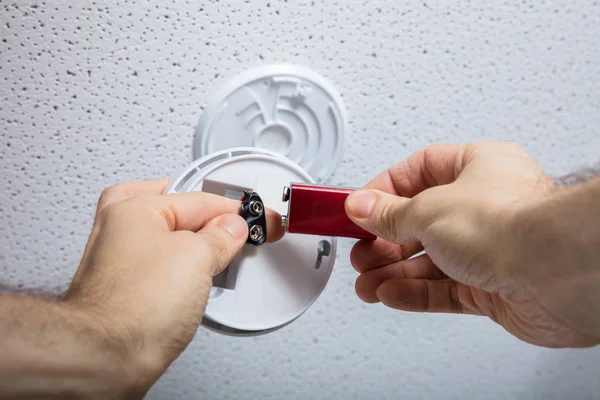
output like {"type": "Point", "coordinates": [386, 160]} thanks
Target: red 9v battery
{"type": "Point", "coordinates": [319, 210]}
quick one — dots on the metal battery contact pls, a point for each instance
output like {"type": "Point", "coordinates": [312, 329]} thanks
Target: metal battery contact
{"type": "Point", "coordinates": [253, 212]}
{"type": "Point", "coordinates": [286, 196]}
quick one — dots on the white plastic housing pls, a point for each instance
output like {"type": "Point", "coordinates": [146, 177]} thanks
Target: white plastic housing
{"type": "Point", "coordinates": [288, 109]}
{"type": "Point", "coordinates": [269, 286]}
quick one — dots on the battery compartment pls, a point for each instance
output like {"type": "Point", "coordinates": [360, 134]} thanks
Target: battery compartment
{"type": "Point", "coordinates": [224, 189]}
{"type": "Point", "coordinates": [268, 286]}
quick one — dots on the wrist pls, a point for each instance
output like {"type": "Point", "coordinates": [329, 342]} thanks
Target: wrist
{"type": "Point", "coordinates": [120, 356]}
{"type": "Point", "coordinates": [566, 228]}
{"type": "Point", "coordinates": [546, 235]}
{"type": "Point", "coordinates": [558, 255]}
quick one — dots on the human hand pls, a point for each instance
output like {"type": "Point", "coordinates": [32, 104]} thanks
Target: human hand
{"type": "Point", "coordinates": [147, 269]}
{"type": "Point", "coordinates": [483, 214]}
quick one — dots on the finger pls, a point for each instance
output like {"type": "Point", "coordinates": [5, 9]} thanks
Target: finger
{"type": "Point", "coordinates": [123, 191]}
{"type": "Point", "coordinates": [191, 211]}
{"type": "Point", "coordinates": [369, 254]}
{"type": "Point", "coordinates": [434, 165]}
{"type": "Point", "coordinates": [416, 268]}
{"type": "Point", "coordinates": [423, 295]}
{"type": "Point", "coordinates": [221, 239]}
{"type": "Point", "coordinates": [275, 231]}
{"type": "Point", "coordinates": [393, 218]}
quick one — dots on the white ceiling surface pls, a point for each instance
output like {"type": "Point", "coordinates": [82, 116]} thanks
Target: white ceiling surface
{"type": "Point", "coordinates": [93, 93]}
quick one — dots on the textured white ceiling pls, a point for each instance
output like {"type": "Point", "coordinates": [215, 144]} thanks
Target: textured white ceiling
{"type": "Point", "coordinates": [93, 93]}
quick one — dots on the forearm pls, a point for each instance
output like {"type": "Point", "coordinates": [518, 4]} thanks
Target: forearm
{"type": "Point", "coordinates": [53, 350]}
{"type": "Point", "coordinates": [578, 177]}
{"type": "Point", "coordinates": [575, 216]}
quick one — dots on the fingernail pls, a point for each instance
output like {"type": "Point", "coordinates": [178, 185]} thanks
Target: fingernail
{"type": "Point", "coordinates": [361, 203]}
{"type": "Point", "coordinates": [235, 225]}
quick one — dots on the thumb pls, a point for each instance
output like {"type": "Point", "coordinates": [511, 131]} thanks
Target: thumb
{"type": "Point", "coordinates": [382, 214]}
{"type": "Point", "coordinates": [222, 238]}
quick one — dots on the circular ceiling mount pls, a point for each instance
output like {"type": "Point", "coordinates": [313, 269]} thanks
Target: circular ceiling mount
{"type": "Point", "coordinates": [288, 109]}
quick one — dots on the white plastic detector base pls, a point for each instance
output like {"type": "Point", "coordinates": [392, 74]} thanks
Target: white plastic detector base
{"type": "Point", "coordinates": [265, 287]}
{"type": "Point", "coordinates": [288, 109]}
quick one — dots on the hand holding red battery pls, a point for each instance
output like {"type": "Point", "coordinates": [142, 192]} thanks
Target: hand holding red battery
{"type": "Point", "coordinates": [319, 210]}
